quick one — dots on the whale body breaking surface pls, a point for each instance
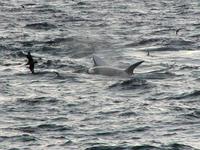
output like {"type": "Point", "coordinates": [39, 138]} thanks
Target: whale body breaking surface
{"type": "Point", "coordinates": [100, 67]}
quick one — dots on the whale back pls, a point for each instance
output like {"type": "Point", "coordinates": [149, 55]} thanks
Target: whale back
{"type": "Point", "coordinates": [108, 71]}
{"type": "Point", "coordinates": [100, 67]}
{"type": "Point", "coordinates": [131, 68]}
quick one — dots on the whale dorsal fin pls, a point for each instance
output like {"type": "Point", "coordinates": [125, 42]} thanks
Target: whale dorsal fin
{"type": "Point", "coordinates": [98, 61]}
{"type": "Point", "coordinates": [131, 68]}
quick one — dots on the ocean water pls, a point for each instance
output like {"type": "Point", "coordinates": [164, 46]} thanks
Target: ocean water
{"type": "Point", "coordinates": [61, 107]}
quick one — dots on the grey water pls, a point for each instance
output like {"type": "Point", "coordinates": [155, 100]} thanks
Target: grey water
{"type": "Point", "coordinates": [62, 107]}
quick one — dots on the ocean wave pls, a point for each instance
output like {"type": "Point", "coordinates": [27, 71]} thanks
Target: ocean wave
{"type": "Point", "coordinates": [174, 146]}
{"type": "Point", "coordinates": [30, 43]}
{"type": "Point", "coordinates": [138, 129]}
{"type": "Point", "coordinates": [44, 128]}
{"type": "Point", "coordinates": [41, 26]}
{"type": "Point", "coordinates": [19, 138]}
{"type": "Point", "coordinates": [30, 4]}
{"type": "Point", "coordinates": [144, 42]}
{"type": "Point", "coordinates": [57, 41]}
{"type": "Point", "coordinates": [128, 114]}
{"type": "Point", "coordinates": [179, 44]}
{"type": "Point", "coordinates": [131, 84]}
{"type": "Point", "coordinates": [186, 95]}
{"type": "Point", "coordinates": [14, 149]}
{"type": "Point", "coordinates": [188, 67]}
{"type": "Point", "coordinates": [37, 100]}
{"type": "Point", "coordinates": [143, 147]}
{"type": "Point", "coordinates": [162, 44]}
{"type": "Point", "coordinates": [82, 3]}
{"type": "Point", "coordinates": [47, 9]}
{"type": "Point", "coordinates": [177, 146]}
{"type": "Point", "coordinates": [192, 115]}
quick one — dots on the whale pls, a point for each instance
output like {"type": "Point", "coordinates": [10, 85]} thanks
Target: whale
{"type": "Point", "coordinates": [100, 67]}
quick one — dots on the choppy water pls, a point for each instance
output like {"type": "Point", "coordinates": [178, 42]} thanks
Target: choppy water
{"type": "Point", "coordinates": [63, 107]}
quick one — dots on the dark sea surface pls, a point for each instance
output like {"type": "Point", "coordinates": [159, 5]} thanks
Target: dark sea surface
{"type": "Point", "coordinates": [62, 107]}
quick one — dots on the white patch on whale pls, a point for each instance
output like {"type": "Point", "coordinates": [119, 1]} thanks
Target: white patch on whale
{"type": "Point", "coordinates": [100, 67]}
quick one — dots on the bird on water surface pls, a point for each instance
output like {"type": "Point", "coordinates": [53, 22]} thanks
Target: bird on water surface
{"type": "Point", "coordinates": [177, 30]}
{"type": "Point", "coordinates": [31, 62]}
